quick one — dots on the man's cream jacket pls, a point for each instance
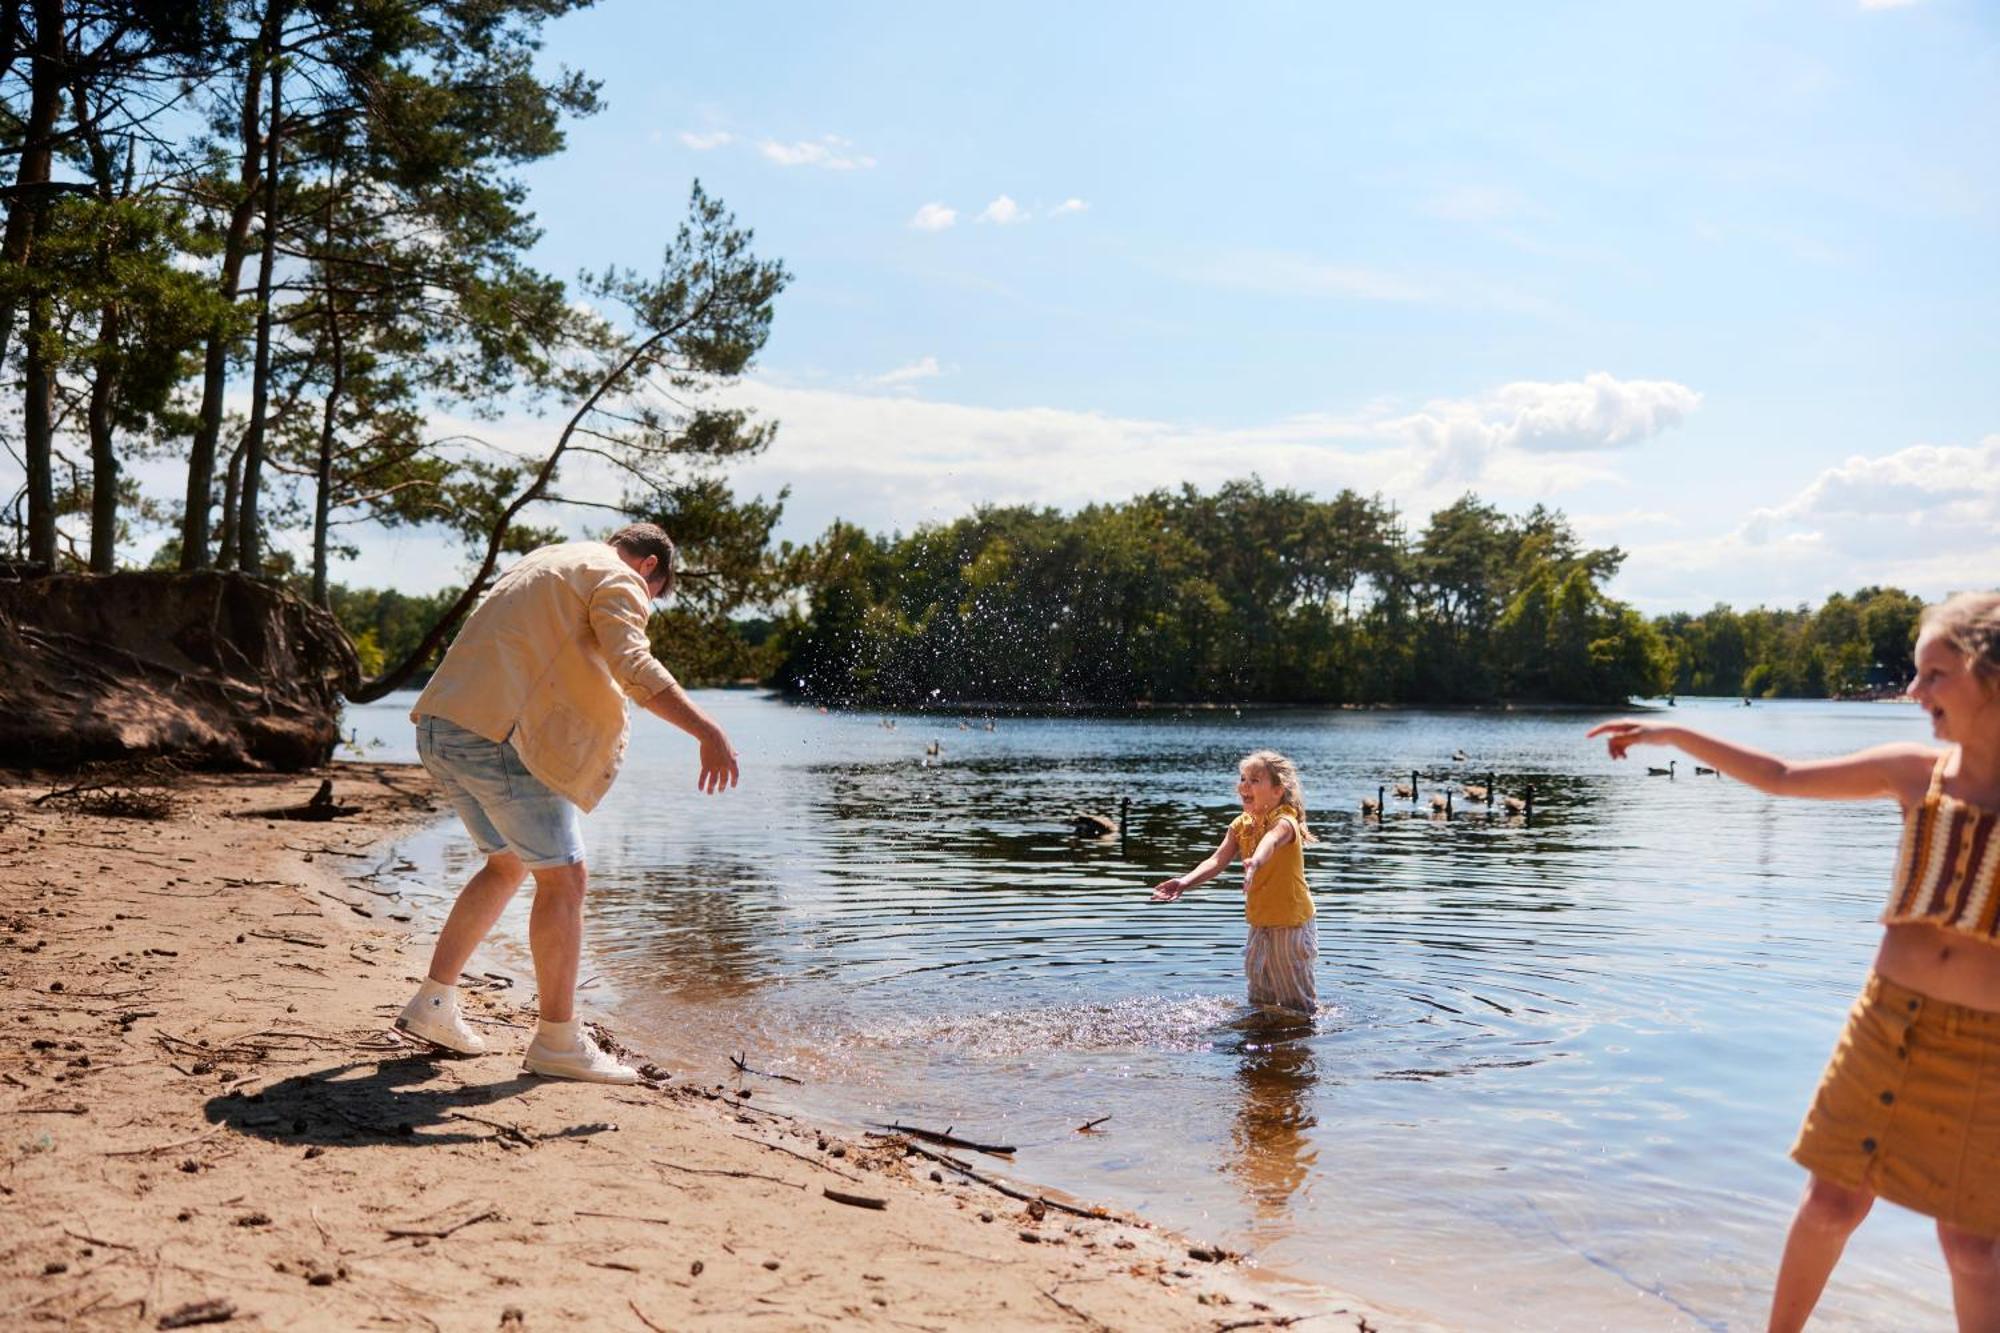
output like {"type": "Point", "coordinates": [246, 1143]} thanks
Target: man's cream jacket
{"type": "Point", "coordinates": [547, 660]}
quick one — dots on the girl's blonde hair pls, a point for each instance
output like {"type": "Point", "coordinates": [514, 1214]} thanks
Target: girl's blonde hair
{"type": "Point", "coordinates": [1286, 774]}
{"type": "Point", "coordinates": [1970, 622]}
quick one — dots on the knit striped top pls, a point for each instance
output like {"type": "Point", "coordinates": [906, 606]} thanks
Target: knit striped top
{"type": "Point", "coordinates": [1948, 867]}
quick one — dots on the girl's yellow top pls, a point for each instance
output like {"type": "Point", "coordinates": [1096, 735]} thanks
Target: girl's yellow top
{"type": "Point", "coordinates": [1278, 895]}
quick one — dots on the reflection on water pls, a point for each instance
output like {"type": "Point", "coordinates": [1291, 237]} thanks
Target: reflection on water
{"type": "Point", "coordinates": [1271, 1149]}
{"type": "Point", "coordinates": [1559, 1060]}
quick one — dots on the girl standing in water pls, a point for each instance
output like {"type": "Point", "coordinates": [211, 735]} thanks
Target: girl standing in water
{"type": "Point", "coordinates": [1268, 835]}
{"type": "Point", "coordinates": [1909, 1107]}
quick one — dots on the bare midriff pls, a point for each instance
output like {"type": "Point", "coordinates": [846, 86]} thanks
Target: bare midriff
{"type": "Point", "coordinates": [1947, 965]}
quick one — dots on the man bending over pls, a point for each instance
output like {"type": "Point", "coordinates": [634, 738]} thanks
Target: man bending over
{"type": "Point", "coordinates": [523, 726]}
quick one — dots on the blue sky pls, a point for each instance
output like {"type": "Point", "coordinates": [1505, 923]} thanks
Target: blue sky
{"type": "Point", "coordinates": [1719, 280]}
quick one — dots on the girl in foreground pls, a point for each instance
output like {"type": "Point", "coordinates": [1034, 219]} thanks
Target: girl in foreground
{"type": "Point", "coordinates": [1268, 835]}
{"type": "Point", "coordinates": [1909, 1108]}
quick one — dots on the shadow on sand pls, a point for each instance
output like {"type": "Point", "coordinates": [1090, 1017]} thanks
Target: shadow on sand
{"type": "Point", "coordinates": [373, 1102]}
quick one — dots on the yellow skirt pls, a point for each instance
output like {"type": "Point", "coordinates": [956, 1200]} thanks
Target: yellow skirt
{"type": "Point", "coordinates": [1909, 1107]}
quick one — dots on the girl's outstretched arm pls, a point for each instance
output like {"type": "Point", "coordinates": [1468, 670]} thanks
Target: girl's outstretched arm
{"type": "Point", "coordinates": [1275, 837]}
{"type": "Point", "coordinates": [1900, 771]}
{"type": "Point", "coordinates": [1169, 889]}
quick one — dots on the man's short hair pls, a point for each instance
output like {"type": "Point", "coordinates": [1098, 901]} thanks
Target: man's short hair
{"type": "Point", "coordinates": [644, 539]}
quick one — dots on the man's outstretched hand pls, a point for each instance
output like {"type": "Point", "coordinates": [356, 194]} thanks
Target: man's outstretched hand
{"type": "Point", "coordinates": [718, 762]}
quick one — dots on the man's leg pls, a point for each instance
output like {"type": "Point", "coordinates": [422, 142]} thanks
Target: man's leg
{"type": "Point", "coordinates": [479, 905]}
{"type": "Point", "coordinates": [555, 936]}
{"type": "Point", "coordinates": [561, 1048]}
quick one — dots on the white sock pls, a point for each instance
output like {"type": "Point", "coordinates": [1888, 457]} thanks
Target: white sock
{"type": "Point", "coordinates": [559, 1035]}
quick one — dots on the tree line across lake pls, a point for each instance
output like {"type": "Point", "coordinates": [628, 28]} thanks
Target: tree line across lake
{"type": "Point", "coordinates": [1247, 594]}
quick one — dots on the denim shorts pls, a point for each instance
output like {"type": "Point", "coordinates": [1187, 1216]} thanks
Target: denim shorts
{"type": "Point", "coordinates": [504, 806]}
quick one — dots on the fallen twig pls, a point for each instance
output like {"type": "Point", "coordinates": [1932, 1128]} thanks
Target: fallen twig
{"type": "Point", "coordinates": [506, 1131]}
{"type": "Point", "coordinates": [1069, 1309]}
{"type": "Point", "coordinates": [964, 1170]}
{"type": "Point", "coordinates": [949, 1140]}
{"type": "Point", "coordinates": [1278, 1321]}
{"type": "Point", "coordinates": [717, 1171]}
{"type": "Point", "coordinates": [627, 1217]}
{"type": "Point", "coordinates": [490, 1215]}
{"type": "Point", "coordinates": [288, 939]}
{"type": "Point", "coordinates": [853, 1200]}
{"type": "Point", "coordinates": [642, 1317]}
{"type": "Point", "coordinates": [163, 1147]}
{"type": "Point", "coordinates": [791, 1152]}
{"type": "Point", "coordinates": [742, 1068]}
{"type": "Point", "coordinates": [1090, 1126]}
{"type": "Point", "coordinates": [95, 1240]}
{"type": "Point", "coordinates": [217, 1311]}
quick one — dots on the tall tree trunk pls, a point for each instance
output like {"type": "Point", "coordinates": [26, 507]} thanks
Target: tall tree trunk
{"type": "Point", "coordinates": [38, 412]}
{"type": "Point", "coordinates": [323, 476]}
{"type": "Point", "coordinates": [225, 546]}
{"type": "Point", "coordinates": [46, 78]}
{"type": "Point", "coordinates": [249, 540]}
{"type": "Point", "coordinates": [235, 247]}
{"type": "Point", "coordinates": [328, 430]}
{"type": "Point", "coordinates": [106, 362]}
{"type": "Point", "coordinates": [45, 81]}
{"type": "Point", "coordinates": [103, 454]}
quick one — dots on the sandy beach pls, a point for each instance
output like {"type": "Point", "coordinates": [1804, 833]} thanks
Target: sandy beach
{"type": "Point", "coordinates": [210, 1121]}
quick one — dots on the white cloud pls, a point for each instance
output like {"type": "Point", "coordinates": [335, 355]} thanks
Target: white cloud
{"type": "Point", "coordinates": [1596, 413]}
{"type": "Point", "coordinates": [1004, 211]}
{"type": "Point", "coordinates": [892, 461]}
{"type": "Point", "coordinates": [702, 141]}
{"type": "Point", "coordinates": [1926, 499]}
{"type": "Point", "coordinates": [1925, 518]}
{"type": "Point", "coordinates": [830, 152]}
{"type": "Point", "coordinates": [934, 217]}
{"type": "Point", "coordinates": [1069, 206]}
{"type": "Point", "coordinates": [924, 368]}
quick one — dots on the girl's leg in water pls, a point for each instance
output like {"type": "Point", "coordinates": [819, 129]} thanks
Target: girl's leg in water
{"type": "Point", "coordinates": [1974, 1261]}
{"type": "Point", "coordinates": [1827, 1216]}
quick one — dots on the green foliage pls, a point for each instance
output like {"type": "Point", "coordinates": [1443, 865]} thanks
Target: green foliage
{"type": "Point", "coordinates": [386, 625]}
{"type": "Point", "coordinates": [1247, 593]}
{"type": "Point", "coordinates": [1853, 645]}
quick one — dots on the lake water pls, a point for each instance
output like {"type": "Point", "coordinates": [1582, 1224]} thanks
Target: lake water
{"type": "Point", "coordinates": [1559, 1060]}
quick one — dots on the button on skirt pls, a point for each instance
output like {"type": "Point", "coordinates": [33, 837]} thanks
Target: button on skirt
{"type": "Point", "coordinates": [1909, 1107]}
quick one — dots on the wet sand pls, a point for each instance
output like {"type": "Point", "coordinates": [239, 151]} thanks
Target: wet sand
{"type": "Point", "coordinates": [209, 1120]}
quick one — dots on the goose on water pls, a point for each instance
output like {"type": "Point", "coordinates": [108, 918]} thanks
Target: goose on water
{"type": "Point", "coordinates": [1441, 805]}
{"type": "Point", "coordinates": [1523, 804]}
{"type": "Point", "coordinates": [1458, 756]}
{"type": "Point", "coordinates": [1666, 772]}
{"type": "Point", "coordinates": [1372, 808]}
{"type": "Point", "coordinates": [1701, 772]}
{"type": "Point", "coordinates": [1086, 824]}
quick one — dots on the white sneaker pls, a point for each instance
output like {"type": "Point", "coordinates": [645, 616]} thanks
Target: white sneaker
{"type": "Point", "coordinates": [580, 1059]}
{"type": "Point", "coordinates": [432, 1015]}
